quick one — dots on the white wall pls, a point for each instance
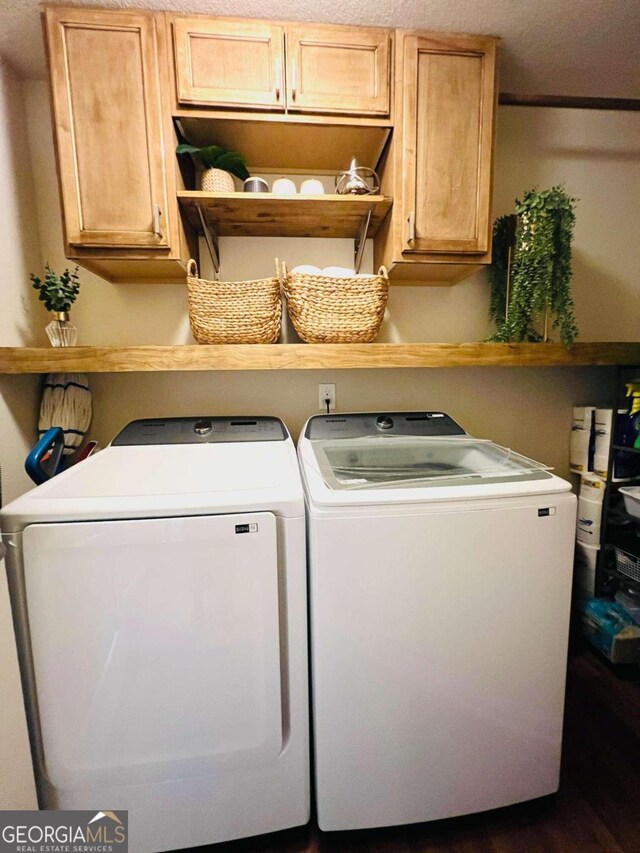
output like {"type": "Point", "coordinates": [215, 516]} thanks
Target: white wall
{"type": "Point", "coordinates": [21, 318]}
{"type": "Point", "coordinates": [20, 253]}
{"type": "Point", "coordinates": [594, 153]}
{"type": "Point", "coordinates": [526, 409]}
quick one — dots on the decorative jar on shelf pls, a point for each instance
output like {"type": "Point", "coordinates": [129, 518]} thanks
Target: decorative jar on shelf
{"type": "Point", "coordinates": [217, 181]}
{"type": "Point", "coordinates": [61, 331]}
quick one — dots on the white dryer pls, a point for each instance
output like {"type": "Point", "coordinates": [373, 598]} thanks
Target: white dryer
{"type": "Point", "coordinates": [159, 596]}
{"type": "Point", "coordinates": [440, 576]}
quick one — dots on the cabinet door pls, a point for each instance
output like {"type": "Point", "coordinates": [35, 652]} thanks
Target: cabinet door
{"type": "Point", "coordinates": [108, 127]}
{"type": "Point", "coordinates": [338, 69]}
{"type": "Point", "coordinates": [448, 114]}
{"type": "Point", "coordinates": [229, 63]}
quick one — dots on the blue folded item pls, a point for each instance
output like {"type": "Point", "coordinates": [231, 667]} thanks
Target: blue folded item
{"type": "Point", "coordinates": [611, 630]}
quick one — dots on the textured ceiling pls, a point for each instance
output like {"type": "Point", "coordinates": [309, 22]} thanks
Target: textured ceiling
{"type": "Point", "coordinates": [552, 47]}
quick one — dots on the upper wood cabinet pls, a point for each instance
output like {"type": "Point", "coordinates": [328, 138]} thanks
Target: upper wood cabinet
{"type": "Point", "coordinates": [448, 109]}
{"type": "Point", "coordinates": [338, 69]}
{"type": "Point", "coordinates": [229, 63]}
{"type": "Point", "coordinates": [309, 68]}
{"type": "Point", "coordinates": [108, 127]}
{"type": "Point", "coordinates": [439, 166]}
{"type": "Point", "coordinates": [119, 78]}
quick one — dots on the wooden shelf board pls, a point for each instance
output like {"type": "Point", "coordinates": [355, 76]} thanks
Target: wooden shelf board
{"type": "Point", "coordinates": [311, 357]}
{"type": "Point", "coordinates": [267, 215]}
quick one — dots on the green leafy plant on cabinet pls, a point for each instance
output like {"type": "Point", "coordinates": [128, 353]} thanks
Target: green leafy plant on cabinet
{"type": "Point", "coordinates": [531, 285]}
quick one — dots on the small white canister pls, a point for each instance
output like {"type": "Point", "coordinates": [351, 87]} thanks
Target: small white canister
{"type": "Point", "coordinates": [312, 186]}
{"type": "Point", "coordinates": [284, 186]}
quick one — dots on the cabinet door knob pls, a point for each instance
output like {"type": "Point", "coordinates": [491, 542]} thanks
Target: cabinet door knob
{"type": "Point", "coordinates": [278, 76]}
{"type": "Point", "coordinates": [294, 78]}
{"type": "Point", "coordinates": [157, 213]}
{"type": "Point", "coordinates": [411, 219]}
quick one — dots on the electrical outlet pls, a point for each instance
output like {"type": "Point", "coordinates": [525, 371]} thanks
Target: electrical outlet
{"type": "Point", "coordinates": [326, 392]}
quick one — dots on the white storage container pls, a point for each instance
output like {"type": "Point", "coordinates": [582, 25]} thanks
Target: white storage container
{"type": "Point", "coordinates": [589, 518]}
{"type": "Point", "coordinates": [584, 569]}
{"type": "Point", "coordinates": [581, 432]}
{"type": "Point", "coordinates": [631, 496]}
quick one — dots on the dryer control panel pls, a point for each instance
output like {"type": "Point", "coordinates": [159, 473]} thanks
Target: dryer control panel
{"type": "Point", "coordinates": [382, 423]}
{"type": "Point", "coordinates": [204, 430]}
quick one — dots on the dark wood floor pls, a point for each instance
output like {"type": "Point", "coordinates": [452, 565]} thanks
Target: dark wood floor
{"type": "Point", "coordinates": [596, 809]}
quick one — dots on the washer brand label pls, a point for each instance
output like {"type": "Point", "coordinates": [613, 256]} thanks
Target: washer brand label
{"type": "Point", "coordinates": [64, 832]}
{"type": "Point", "coordinates": [246, 528]}
{"type": "Point", "coordinates": [543, 512]}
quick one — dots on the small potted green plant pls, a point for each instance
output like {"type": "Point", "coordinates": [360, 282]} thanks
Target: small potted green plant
{"type": "Point", "coordinates": [531, 270]}
{"type": "Point", "coordinates": [58, 292]}
{"type": "Point", "coordinates": [219, 165]}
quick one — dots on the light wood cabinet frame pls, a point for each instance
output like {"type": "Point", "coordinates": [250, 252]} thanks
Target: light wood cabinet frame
{"type": "Point", "coordinates": [314, 70]}
{"type": "Point", "coordinates": [338, 69]}
{"type": "Point", "coordinates": [81, 182]}
{"type": "Point", "coordinates": [198, 83]}
{"type": "Point", "coordinates": [448, 112]}
{"type": "Point", "coordinates": [436, 259]}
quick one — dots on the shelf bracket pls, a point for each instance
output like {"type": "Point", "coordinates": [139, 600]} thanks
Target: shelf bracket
{"type": "Point", "coordinates": [361, 239]}
{"type": "Point", "coordinates": [211, 239]}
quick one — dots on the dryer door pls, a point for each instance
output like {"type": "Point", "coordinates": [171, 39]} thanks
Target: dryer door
{"type": "Point", "coordinates": [155, 645]}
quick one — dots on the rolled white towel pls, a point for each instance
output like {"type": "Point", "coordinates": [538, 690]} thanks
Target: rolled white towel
{"type": "Point", "coordinates": [338, 272]}
{"type": "Point", "coordinates": [307, 269]}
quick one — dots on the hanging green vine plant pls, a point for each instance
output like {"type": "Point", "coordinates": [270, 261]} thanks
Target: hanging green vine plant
{"type": "Point", "coordinates": [538, 289]}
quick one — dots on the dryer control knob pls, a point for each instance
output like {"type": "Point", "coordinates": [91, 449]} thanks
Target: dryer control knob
{"type": "Point", "coordinates": [384, 422]}
{"type": "Point", "coordinates": [203, 427]}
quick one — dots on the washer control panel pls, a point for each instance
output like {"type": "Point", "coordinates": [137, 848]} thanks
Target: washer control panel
{"type": "Point", "coordinates": [378, 423]}
{"type": "Point", "coordinates": [203, 430]}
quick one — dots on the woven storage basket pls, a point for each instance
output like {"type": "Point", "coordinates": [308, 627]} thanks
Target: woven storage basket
{"type": "Point", "coordinates": [233, 312]}
{"type": "Point", "coordinates": [327, 310]}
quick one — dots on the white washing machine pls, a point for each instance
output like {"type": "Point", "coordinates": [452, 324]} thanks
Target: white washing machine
{"type": "Point", "coordinates": [440, 576]}
{"type": "Point", "coordinates": [159, 595]}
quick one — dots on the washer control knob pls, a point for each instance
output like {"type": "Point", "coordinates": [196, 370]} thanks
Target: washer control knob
{"type": "Point", "coordinates": [202, 427]}
{"type": "Point", "coordinates": [384, 422]}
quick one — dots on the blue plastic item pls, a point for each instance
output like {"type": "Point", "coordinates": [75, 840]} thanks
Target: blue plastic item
{"type": "Point", "coordinates": [611, 630]}
{"type": "Point", "coordinates": [45, 460]}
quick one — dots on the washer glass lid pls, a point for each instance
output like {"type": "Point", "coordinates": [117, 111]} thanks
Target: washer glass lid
{"type": "Point", "coordinates": [400, 461]}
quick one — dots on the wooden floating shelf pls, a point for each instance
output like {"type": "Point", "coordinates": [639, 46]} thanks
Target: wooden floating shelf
{"type": "Point", "coordinates": [311, 357]}
{"type": "Point", "coordinates": [267, 215]}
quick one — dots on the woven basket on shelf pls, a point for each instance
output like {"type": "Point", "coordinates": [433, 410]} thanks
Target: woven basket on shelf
{"type": "Point", "coordinates": [233, 312]}
{"type": "Point", "coordinates": [327, 310]}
